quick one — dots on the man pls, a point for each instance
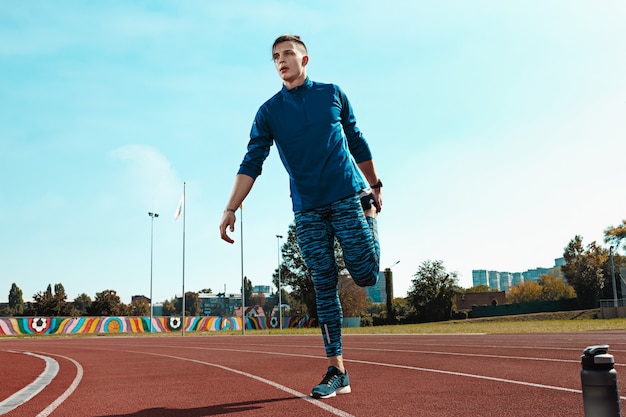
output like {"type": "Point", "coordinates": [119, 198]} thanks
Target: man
{"type": "Point", "coordinates": [326, 158]}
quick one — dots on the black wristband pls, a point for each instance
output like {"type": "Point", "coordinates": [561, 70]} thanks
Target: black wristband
{"type": "Point", "coordinates": [379, 184]}
{"type": "Point", "coordinates": [229, 209]}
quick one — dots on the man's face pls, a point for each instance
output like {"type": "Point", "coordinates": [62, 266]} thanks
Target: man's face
{"type": "Point", "coordinates": [290, 61]}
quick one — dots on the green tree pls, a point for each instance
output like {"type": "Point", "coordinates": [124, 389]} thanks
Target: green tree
{"type": "Point", "coordinates": [82, 304]}
{"type": "Point", "coordinates": [16, 301]}
{"type": "Point", "coordinates": [248, 291]}
{"type": "Point", "coordinates": [401, 308]}
{"type": "Point", "coordinates": [374, 309]}
{"type": "Point", "coordinates": [193, 306]}
{"type": "Point", "coordinates": [169, 308]}
{"type": "Point", "coordinates": [139, 307]}
{"type": "Point", "coordinates": [524, 292]}
{"type": "Point", "coordinates": [479, 288]}
{"type": "Point", "coordinates": [61, 306]}
{"type": "Point", "coordinates": [258, 299]}
{"type": "Point", "coordinates": [271, 302]}
{"type": "Point", "coordinates": [51, 304]}
{"type": "Point", "coordinates": [619, 261]}
{"type": "Point", "coordinates": [296, 306]}
{"type": "Point", "coordinates": [615, 234]}
{"type": "Point", "coordinates": [107, 303]}
{"type": "Point", "coordinates": [584, 270]}
{"type": "Point", "coordinates": [43, 303]}
{"type": "Point", "coordinates": [432, 292]}
{"type": "Point", "coordinates": [553, 289]}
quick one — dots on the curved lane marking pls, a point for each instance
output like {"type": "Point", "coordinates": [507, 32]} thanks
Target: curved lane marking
{"type": "Point", "coordinates": [29, 391]}
{"type": "Point", "coordinates": [79, 376]}
{"type": "Point", "coordinates": [281, 387]}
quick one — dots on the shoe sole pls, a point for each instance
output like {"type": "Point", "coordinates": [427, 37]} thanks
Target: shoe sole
{"type": "Point", "coordinates": [340, 390]}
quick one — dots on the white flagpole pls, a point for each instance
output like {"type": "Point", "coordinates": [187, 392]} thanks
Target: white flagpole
{"type": "Point", "coordinates": [243, 284]}
{"type": "Point", "coordinates": [183, 301]}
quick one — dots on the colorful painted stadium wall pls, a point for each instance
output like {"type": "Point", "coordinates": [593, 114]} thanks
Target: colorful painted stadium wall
{"type": "Point", "coordinates": [23, 326]}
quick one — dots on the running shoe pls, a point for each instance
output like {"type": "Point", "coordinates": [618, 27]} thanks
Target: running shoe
{"type": "Point", "coordinates": [334, 382]}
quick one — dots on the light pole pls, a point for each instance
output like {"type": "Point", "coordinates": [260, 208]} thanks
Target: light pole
{"type": "Point", "coordinates": [615, 303]}
{"type": "Point", "coordinates": [152, 216]}
{"type": "Point", "coordinates": [280, 299]}
{"type": "Point", "coordinates": [396, 263]}
{"type": "Point", "coordinates": [389, 292]}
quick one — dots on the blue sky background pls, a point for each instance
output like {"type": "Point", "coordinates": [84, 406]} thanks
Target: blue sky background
{"type": "Point", "coordinates": [497, 128]}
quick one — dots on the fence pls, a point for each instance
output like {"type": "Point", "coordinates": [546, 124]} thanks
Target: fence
{"type": "Point", "coordinates": [20, 326]}
{"type": "Point", "coordinates": [524, 308]}
{"type": "Point", "coordinates": [608, 310]}
{"type": "Point", "coordinates": [621, 302]}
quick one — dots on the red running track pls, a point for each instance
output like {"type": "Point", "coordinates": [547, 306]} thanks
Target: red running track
{"type": "Point", "coordinates": [391, 375]}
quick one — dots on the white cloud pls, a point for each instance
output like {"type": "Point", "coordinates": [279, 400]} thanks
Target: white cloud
{"type": "Point", "coordinates": [149, 176]}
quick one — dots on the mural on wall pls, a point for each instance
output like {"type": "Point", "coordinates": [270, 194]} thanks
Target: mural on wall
{"type": "Point", "coordinates": [21, 326]}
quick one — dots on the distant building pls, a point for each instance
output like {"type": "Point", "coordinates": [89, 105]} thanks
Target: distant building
{"type": "Point", "coordinates": [266, 290]}
{"type": "Point", "coordinates": [139, 298]}
{"type": "Point", "coordinates": [535, 274]}
{"type": "Point", "coordinates": [480, 277]}
{"type": "Point", "coordinates": [502, 281]}
{"type": "Point", "coordinates": [256, 311]}
{"type": "Point", "coordinates": [518, 277]}
{"type": "Point", "coordinates": [220, 304]}
{"type": "Point", "coordinates": [157, 309]}
{"type": "Point", "coordinates": [506, 280]}
{"type": "Point", "coordinates": [494, 280]}
{"type": "Point", "coordinates": [226, 304]}
{"type": "Point", "coordinates": [378, 292]}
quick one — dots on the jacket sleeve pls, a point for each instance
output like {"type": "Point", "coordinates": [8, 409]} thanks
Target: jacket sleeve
{"type": "Point", "coordinates": [357, 144]}
{"type": "Point", "coordinates": [261, 139]}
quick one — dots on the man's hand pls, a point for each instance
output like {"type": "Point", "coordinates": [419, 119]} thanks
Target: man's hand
{"type": "Point", "coordinates": [228, 221]}
{"type": "Point", "coordinates": [377, 195]}
{"type": "Point", "coordinates": [243, 185]}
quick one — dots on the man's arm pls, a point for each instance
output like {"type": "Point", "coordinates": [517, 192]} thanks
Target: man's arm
{"type": "Point", "coordinates": [241, 188]}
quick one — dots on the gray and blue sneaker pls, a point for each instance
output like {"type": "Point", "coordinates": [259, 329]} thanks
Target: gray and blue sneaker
{"type": "Point", "coordinates": [333, 383]}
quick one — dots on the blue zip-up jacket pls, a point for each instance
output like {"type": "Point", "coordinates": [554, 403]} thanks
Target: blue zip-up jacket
{"type": "Point", "coordinates": [318, 142]}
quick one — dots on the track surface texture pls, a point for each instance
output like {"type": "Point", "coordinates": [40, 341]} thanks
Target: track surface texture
{"type": "Point", "coordinates": [214, 375]}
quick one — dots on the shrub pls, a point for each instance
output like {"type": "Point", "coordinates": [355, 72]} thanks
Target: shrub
{"type": "Point", "coordinates": [367, 321]}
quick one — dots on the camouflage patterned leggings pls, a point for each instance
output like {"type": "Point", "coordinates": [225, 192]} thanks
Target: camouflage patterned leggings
{"type": "Point", "coordinates": [357, 234]}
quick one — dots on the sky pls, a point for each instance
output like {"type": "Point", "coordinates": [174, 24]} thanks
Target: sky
{"type": "Point", "coordinates": [497, 128]}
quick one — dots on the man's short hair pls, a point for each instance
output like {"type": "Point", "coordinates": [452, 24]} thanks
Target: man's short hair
{"type": "Point", "coordinates": [289, 38]}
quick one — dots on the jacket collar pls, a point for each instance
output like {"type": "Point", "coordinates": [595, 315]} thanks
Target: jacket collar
{"type": "Point", "coordinates": [305, 85]}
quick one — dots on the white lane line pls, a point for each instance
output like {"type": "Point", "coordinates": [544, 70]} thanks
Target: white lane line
{"type": "Point", "coordinates": [28, 392]}
{"type": "Point", "coordinates": [79, 376]}
{"type": "Point", "coordinates": [281, 387]}
{"type": "Point", "coordinates": [542, 348]}
{"type": "Point", "coordinates": [489, 378]}
{"type": "Point", "coordinates": [478, 355]}
{"type": "Point", "coordinates": [414, 368]}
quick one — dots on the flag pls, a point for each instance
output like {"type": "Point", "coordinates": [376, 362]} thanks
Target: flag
{"type": "Point", "coordinates": [180, 208]}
